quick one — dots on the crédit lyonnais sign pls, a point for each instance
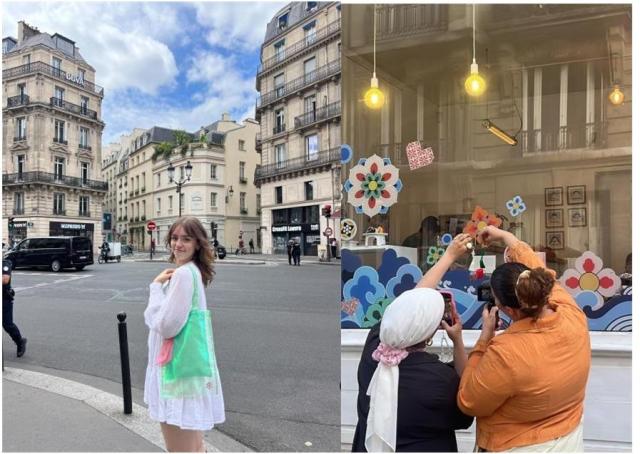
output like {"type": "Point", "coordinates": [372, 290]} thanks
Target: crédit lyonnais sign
{"type": "Point", "coordinates": [286, 228]}
{"type": "Point", "coordinates": [77, 78]}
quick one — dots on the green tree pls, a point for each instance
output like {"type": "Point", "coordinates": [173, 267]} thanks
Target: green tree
{"type": "Point", "coordinates": [162, 150]}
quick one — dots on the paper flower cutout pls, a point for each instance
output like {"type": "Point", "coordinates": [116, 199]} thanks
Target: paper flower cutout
{"type": "Point", "coordinates": [417, 156]}
{"type": "Point", "coordinates": [516, 206]}
{"type": "Point", "coordinates": [346, 153]}
{"type": "Point", "coordinates": [349, 307]}
{"type": "Point", "coordinates": [480, 219]}
{"type": "Point", "coordinates": [433, 254]}
{"type": "Point", "coordinates": [373, 185]}
{"type": "Point", "coordinates": [446, 239]}
{"type": "Point", "coordinates": [590, 275]}
{"type": "Point", "coordinates": [348, 229]}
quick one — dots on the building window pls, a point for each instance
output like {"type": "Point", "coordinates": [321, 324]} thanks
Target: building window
{"type": "Point", "coordinates": [243, 179]}
{"type": "Point", "coordinates": [84, 206]}
{"type": "Point", "coordinates": [283, 21]}
{"type": "Point", "coordinates": [18, 203]}
{"type": "Point", "coordinates": [278, 84]}
{"type": "Point", "coordinates": [311, 6]}
{"type": "Point", "coordinates": [241, 145]}
{"type": "Point", "coordinates": [84, 172]}
{"type": "Point", "coordinates": [308, 190]}
{"type": "Point", "coordinates": [144, 178]}
{"type": "Point", "coordinates": [157, 180]}
{"type": "Point", "coordinates": [279, 120]}
{"type": "Point", "coordinates": [21, 128]}
{"type": "Point", "coordinates": [57, 66]}
{"type": "Point", "coordinates": [84, 138]}
{"type": "Point", "coordinates": [310, 107]}
{"type": "Point", "coordinates": [22, 90]}
{"type": "Point", "coordinates": [84, 104]}
{"type": "Point", "coordinates": [138, 210]}
{"type": "Point", "coordinates": [59, 132]}
{"type": "Point", "coordinates": [309, 70]}
{"type": "Point", "coordinates": [58, 95]}
{"type": "Point", "coordinates": [144, 210]}
{"type": "Point", "coordinates": [213, 171]}
{"type": "Point", "coordinates": [311, 147]}
{"type": "Point", "coordinates": [278, 194]}
{"type": "Point", "coordinates": [158, 206]}
{"type": "Point", "coordinates": [182, 201]}
{"type": "Point", "coordinates": [20, 164]}
{"type": "Point", "coordinates": [58, 168]}
{"type": "Point", "coordinates": [258, 204]}
{"type": "Point", "coordinates": [243, 203]}
{"type": "Point", "coordinates": [26, 59]}
{"type": "Point", "coordinates": [137, 182]}
{"type": "Point", "coordinates": [279, 157]}
{"type": "Point", "coordinates": [310, 33]}
{"type": "Point", "coordinates": [279, 48]}
{"type": "Point", "coordinates": [213, 200]}
{"type": "Point", "coordinates": [58, 203]}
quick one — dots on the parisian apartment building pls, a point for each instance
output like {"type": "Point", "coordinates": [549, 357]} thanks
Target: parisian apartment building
{"type": "Point", "coordinates": [52, 131]}
{"type": "Point", "coordinates": [299, 112]}
{"type": "Point", "coordinates": [218, 189]}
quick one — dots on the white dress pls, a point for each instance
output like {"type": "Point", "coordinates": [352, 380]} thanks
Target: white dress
{"type": "Point", "coordinates": [166, 314]}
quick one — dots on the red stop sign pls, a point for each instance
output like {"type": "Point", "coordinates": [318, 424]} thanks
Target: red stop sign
{"type": "Point", "coordinates": [151, 225]}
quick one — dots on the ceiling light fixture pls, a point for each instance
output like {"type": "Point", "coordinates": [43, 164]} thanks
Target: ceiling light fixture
{"type": "Point", "coordinates": [475, 84]}
{"type": "Point", "coordinates": [374, 98]}
{"type": "Point", "coordinates": [496, 131]}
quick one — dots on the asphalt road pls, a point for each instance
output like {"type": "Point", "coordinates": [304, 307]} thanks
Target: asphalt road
{"type": "Point", "coordinates": [276, 331]}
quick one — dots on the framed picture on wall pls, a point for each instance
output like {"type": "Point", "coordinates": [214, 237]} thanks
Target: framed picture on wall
{"type": "Point", "coordinates": [555, 240]}
{"type": "Point", "coordinates": [577, 217]}
{"type": "Point", "coordinates": [553, 196]}
{"type": "Point", "coordinates": [553, 218]}
{"type": "Point", "coordinates": [576, 195]}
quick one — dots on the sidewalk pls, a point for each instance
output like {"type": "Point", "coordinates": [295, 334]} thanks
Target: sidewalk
{"type": "Point", "coordinates": [247, 259]}
{"type": "Point", "coordinates": [47, 413]}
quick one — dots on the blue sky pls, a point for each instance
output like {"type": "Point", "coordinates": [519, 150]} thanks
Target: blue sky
{"type": "Point", "coordinates": [171, 64]}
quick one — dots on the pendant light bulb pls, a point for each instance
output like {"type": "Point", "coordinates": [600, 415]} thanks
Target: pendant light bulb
{"type": "Point", "coordinates": [374, 98]}
{"type": "Point", "coordinates": [475, 84]}
{"type": "Point", "coordinates": [616, 97]}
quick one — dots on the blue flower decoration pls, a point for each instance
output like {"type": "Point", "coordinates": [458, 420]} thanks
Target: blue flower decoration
{"type": "Point", "coordinates": [346, 153]}
{"type": "Point", "coordinates": [446, 239]}
{"type": "Point", "coordinates": [516, 206]}
{"type": "Point", "coordinates": [364, 286]}
{"type": "Point", "coordinates": [407, 278]}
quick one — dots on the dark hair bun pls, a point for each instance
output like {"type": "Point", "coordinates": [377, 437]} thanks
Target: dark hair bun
{"type": "Point", "coordinates": [533, 289]}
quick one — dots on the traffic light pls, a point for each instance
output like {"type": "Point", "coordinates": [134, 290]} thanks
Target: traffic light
{"type": "Point", "coordinates": [106, 221]}
{"type": "Point", "coordinates": [214, 230]}
{"type": "Point", "coordinates": [326, 211]}
{"type": "Point", "coordinates": [11, 225]}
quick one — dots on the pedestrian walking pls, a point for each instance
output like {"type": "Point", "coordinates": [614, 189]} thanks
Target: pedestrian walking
{"type": "Point", "coordinates": [290, 250]}
{"type": "Point", "coordinates": [7, 310]}
{"type": "Point", "coordinates": [296, 252]}
{"type": "Point", "coordinates": [182, 384]}
{"type": "Point", "coordinates": [251, 248]}
{"type": "Point", "coordinates": [153, 245]}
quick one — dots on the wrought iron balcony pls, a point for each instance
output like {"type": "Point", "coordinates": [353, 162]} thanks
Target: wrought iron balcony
{"type": "Point", "coordinates": [323, 158]}
{"type": "Point", "coordinates": [396, 21]}
{"type": "Point", "coordinates": [80, 110]}
{"type": "Point", "coordinates": [15, 101]}
{"type": "Point", "coordinates": [59, 140]}
{"type": "Point", "coordinates": [591, 135]}
{"type": "Point", "coordinates": [258, 142]}
{"type": "Point", "coordinates": [299, 47]}
{"type": "Point", "coordinates": [316, 116]}
{"type": "Point", "coordinates": [244, 211]}
{"type": "Point", "coordinates": [279, 129]}
{"type": "Point", "coordinates": [243, 180]}
{"type": "Point", "coordinates": [84, 213]}
{"type": "Point", "coordinates": [19, 138]}
{"type": "Point", "coordinates": [84, 147]}
{"type": "Point", "coordinates": [43, 68]}
{"type": "Point", "coordinates": [51, 178]}
{"type": "Point", "coordinates": [300, 83]}
{"type": "Point", "coordinates": [59, 212]}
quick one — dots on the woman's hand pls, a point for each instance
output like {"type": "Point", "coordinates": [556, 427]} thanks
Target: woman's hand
{"type": "Point", "coordinates": [453, 331]}
{"type": "Point", "coordinates": [490, 234]}
{"type": "Point", "coordinates": [458, 246]}
{"type": "Point", "coordinates": [164, 276]}
{"type": "Point", "coordinates": [488, 323]}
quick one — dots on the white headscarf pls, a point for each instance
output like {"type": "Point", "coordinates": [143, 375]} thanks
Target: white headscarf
{"type": "Point", "coordinates": [411, 318]}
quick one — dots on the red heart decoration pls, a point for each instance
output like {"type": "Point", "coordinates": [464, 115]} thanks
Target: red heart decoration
{"type": "Point", "coordinates": [418, 156]}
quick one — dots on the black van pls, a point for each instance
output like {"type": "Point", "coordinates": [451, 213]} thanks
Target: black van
{"type": "Point", "coordinates": [52, 252]}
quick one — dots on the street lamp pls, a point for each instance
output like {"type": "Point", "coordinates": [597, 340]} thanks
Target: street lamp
{"type": "Point", "coordinates": [229, 194]}
{"type": "Point", "coordinates": [172, 170]}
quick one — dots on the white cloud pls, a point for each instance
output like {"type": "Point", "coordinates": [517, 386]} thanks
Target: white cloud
{"type": "Point", "coordinates": [236, 25]}
{"type": "Point", "coordinates": [120, 40]}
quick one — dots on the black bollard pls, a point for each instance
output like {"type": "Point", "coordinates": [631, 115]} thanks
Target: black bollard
{"type": "Point", "coordinates": [124, 362]}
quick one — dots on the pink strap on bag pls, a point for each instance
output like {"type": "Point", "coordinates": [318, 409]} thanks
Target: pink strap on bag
{"type": "Point", "coordinates": [166, 352]}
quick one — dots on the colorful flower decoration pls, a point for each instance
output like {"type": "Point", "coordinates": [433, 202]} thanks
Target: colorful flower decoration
{"type": "Point", "coordinates": [433, 255]}
{"type": "Point", "coordinates": [373, 185]}
{"type": "Point", "coordinates": [590, 275]}
{"type": "Point", "coordinates": [446, 239]}
{"type": "Point", "coordinates": [365, 286]}
{"type": "Point", "coordinates": [480, 219]}
{"type": "Point", "coordinates": [516, 206]}
{"type": "Point", "coordinates": [346, 153]}
{"type": "Point", "coordinates": [349, 307]}
{"type": "Point", "coordinates": [348, 229]}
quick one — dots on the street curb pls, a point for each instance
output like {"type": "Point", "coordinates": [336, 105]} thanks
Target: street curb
{"type": "Point", "coordinates": [108, 404]}
{"type": "Point", "coordinates": [232, 262]}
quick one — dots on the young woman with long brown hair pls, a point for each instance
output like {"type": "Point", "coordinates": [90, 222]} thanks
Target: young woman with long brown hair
{"type": "Point", "coordinates": [174, 296]}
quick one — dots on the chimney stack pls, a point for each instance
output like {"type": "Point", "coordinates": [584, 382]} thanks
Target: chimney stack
{"type": "Point", "coordinates": [226, 116]}
{"type": "Point", "coordinates": [25, 31]}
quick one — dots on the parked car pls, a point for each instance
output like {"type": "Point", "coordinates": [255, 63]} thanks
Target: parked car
{"type": "Point", "coordinates": [55, 253]}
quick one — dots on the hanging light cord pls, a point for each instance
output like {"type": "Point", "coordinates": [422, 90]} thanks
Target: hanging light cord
{"type": "Point", "coordinates": [374, 39]}
{"type": "Point", "coordinates": [473, 13]}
